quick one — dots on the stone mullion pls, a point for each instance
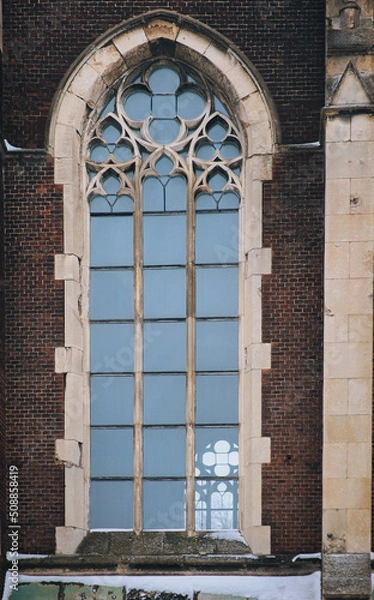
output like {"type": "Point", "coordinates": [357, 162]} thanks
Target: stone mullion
{"type": "Point", "coordinates": [138, 360]}
{"type": "Point", "coordinates": [191, 358]}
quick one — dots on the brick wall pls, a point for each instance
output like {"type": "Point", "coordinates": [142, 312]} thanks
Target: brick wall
{"type": "Point", "coordinates": [34, 327]}
{"type": "Point", "coordinates": [292, 322]}
{"type": "Point", "coordinates": [283, 38]}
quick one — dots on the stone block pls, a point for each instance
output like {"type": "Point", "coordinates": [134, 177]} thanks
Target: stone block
{"type": "Point", "coordinates": [361, 259]}
{"type": "Point", "coordinates": [336, 396]}
{"type": "Point", "coordinates": [359, 396]}
{"type": "Point", "coordinates": [66, 267]}
{"type": "Point", "coordinates": [337, 260]}
{"type": "Point", "coordinates": [192, 40]}
{"type": "Point", "coordinates": [346, 576]}
{"type": "Point", "coordinates": [362, 196]}
{"type": "Point", "coordinates": [88, 85]}
{"type": "Point", "coordinates": [159, 28]}
{"type": "Point", "coordinates": [68, 539]}
{"type": "Point", "coordinates": [258, 356]}
{"type": "Point", "coordinates": [108, 63]}
{"type": "Point", "coordinates": [347, 360]}
{"type": "Point", "coordinates": [360, 328]}
{"type": "Point", "coordinates": [349, 296]}
{"type": "Point", "coordinates": [337, 196]}
{"type": "Point", "coordinates": [336, 327]}
{"type": "Point", "coordinates": [338, 129]}
{"type": "Point", "coordinates": [259, 261]}
{"type": "Point", "coordinates": [362, 127]}
{"type": "Point", "coordinates": [349, 159]}
{"type": "Point", "coordinates": [359, 460]}
{"type": "Point", "coordinates": [335, 460]}
{"type": "Point", "coordinates": [68, 451]}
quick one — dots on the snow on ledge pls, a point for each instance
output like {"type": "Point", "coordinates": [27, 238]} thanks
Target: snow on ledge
{"type": "Point", "coordinates": [306, 556]}
{"type": "Point", "coordinates": [257, 587]}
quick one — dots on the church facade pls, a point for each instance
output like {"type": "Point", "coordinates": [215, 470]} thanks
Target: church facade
{"type": "Point", "coordinates": [186, 294]}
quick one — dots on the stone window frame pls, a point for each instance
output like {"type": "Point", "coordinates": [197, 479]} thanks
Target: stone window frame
{"type": "Point", "coordinates": [90, 77]}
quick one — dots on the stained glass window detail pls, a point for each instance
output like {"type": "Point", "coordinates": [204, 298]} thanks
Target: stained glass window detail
{"type": "Point", "coordinates": [164, 186]}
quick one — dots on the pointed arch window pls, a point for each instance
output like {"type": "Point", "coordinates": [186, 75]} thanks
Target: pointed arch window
{"type": "Point", "coordinates": [164, 186]}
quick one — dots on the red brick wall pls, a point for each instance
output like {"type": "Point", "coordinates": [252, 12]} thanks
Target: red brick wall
{"type": "Point", "coordinates": [292, 322]}
{"type": "Point", "coordinates": [34, 327]}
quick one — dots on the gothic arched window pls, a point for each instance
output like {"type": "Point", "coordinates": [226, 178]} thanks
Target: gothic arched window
{"type": "Point", "coordinates": [163, 163]}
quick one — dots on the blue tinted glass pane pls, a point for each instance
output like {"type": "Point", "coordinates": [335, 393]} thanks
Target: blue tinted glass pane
{"type": "Point", "coordinates": [230, 150]}
{"type": "Point", "coordinates": [206, 151]}
{"type": "Point", "coordinates": [217, 399]}
{"type": "Point", "coordinates": [217, 452]}
{"type": "Point", "coordinates": [138, 105]}
{"type": "Point", "coordinates": [164, 293]}
{"type": "Point", "coordinates": [111, 505]}
{"type": "Point", "coordinates": [228, 200]}
{"type": "Point", "coordinates": [216, 505]}
{"type": "Point", "coordinates": [217, 132]}
{"type": "Point", "coordinates": [164, 452]}
{"type": "Point", "coordinates": [217, 238]}
{"type": "Point", "coordinates": [217, 292]}
{"type": "Point", "coordinates": [217, 181]}
{"type": "Point", "coordinates": [122, 153]}
{"type": "Point", "coordinates": [164, 80]}
{"type": "Point", "coordinates": [112, 400]}
{"type": "Point", "coordinates": [164, 240]}
{"type": "Point", "coordinates": [112, 295]}
{"type": "Point", "coordinates": [190, 105]}
{"type": "Point", "coordinates": [164, 165]}
{"type": "Point", "coordinates": [217, 346]}
{"type": "Point", "coordinates": [164, 399]}
{"type": "Point", "coordinates": [111, 133]}
{"type": "Point", "coordinates": [111, 241]}
{"type": "Point", "coordinates": [111, 452]}
{"type": "Point", "coordinates": [164, 131]}
{"type": "Point", "coordinates": [153, 195]}
{"type": "Point", "coordinates": [176, 193]}
{"type": "Point", "coordinates": [123, 204]}
{"type": "Point", "coordinates": [164, 347]}
{"type": "Point", "coordinates": [205, 202]}
{"type": "Point", "coordinates": [112, 347]}
{"type": "Point", "coordinates": [99, 204]}
{"type": "Point", "coordinates": [111, 184]}
{"type": "Point", "coordinates": [99, 153]}
{"type": "Point", "coordinates": [164, 505]}
{"type": "Point", "coordinates": [163, 106]}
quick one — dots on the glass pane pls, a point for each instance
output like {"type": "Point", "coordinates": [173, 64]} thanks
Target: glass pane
{"type": "Point", "coordinates": [112, 347]}
{"type": "Point", "coordinates": [164, 347]}
{"type": "Point", "coordinates": [228, 200]}
{"type": "Point", "coordinates": [217, 292]}
{"type": "Point", "coordinates": [217, 452]}
{"type": "Point", "coordinates": [217, 181]}
{"type": "Point", "coordinates": [217, 399]}
{"type": "Point", "coordinates": [190, 105]}
{"type": "Point", "coordinates": [217, 238]}
{"type": "Point", "coordinates": [165, 452]}
{"type": "Point", "coordinates": [109, 107]}
{"type": "Point", "coordinates": [164, 165]}
{"type": "Point", "coordinates": [230, 150]}
{"type": "Point", "coordinates": [111, 133]}
{"type": "Point", "coordinates": [216, 504]}
{"type": "Point", "coordinates": [153, 195]}
{"type": "Point", "coordinates": [176, 193]}
{"type": "Point", "coordinates": [99, 204]}
{"type": "Point", "coordinates": [112, 295]}
{"type": "Point", "coordinates": [164, 240]}
{"type": "Point", "coordinates": [111, 184]}
{"type": "Point", "coordinates": [164, 293]}
{"type": "Point", "coordinates": [111, 452]}
{"type": "Point", "coordinates": [205, 201]}
{"type": "Point", "coordinates": [164, 505]}
{"type": "Point", "coordinates": [164, 131]}
{"type": "Point", "coordinates": [217, 346]}
{"type": "Point", "coordinates": [111, 241]}
{"type": "Point", "coordinates": [163, 106]}
{"type": "Point", "coordinates": [122, 153]}
{"type": "Point", "coordinates": [164, 399]}
{"type": "Point", "coordinates": [99, 153]}
{"type": "Point", "coordinates": [123, 204]}
{"type": "Point", "coordinates": [206, 151]}
{"type": "Point", "coordinates": [138, 105]}
{"type": "Point", "coordinates": [111, 505]}
{"type": "Point", "coordinates": [217, 131]}
{"type": "Point", "coordinates": [164, 80]}
{"type": "Point", "coordinates": [112, 400]}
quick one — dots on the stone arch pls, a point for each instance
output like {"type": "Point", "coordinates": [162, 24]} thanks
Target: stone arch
{"type": "Point", "coordinates": [87, 82]}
